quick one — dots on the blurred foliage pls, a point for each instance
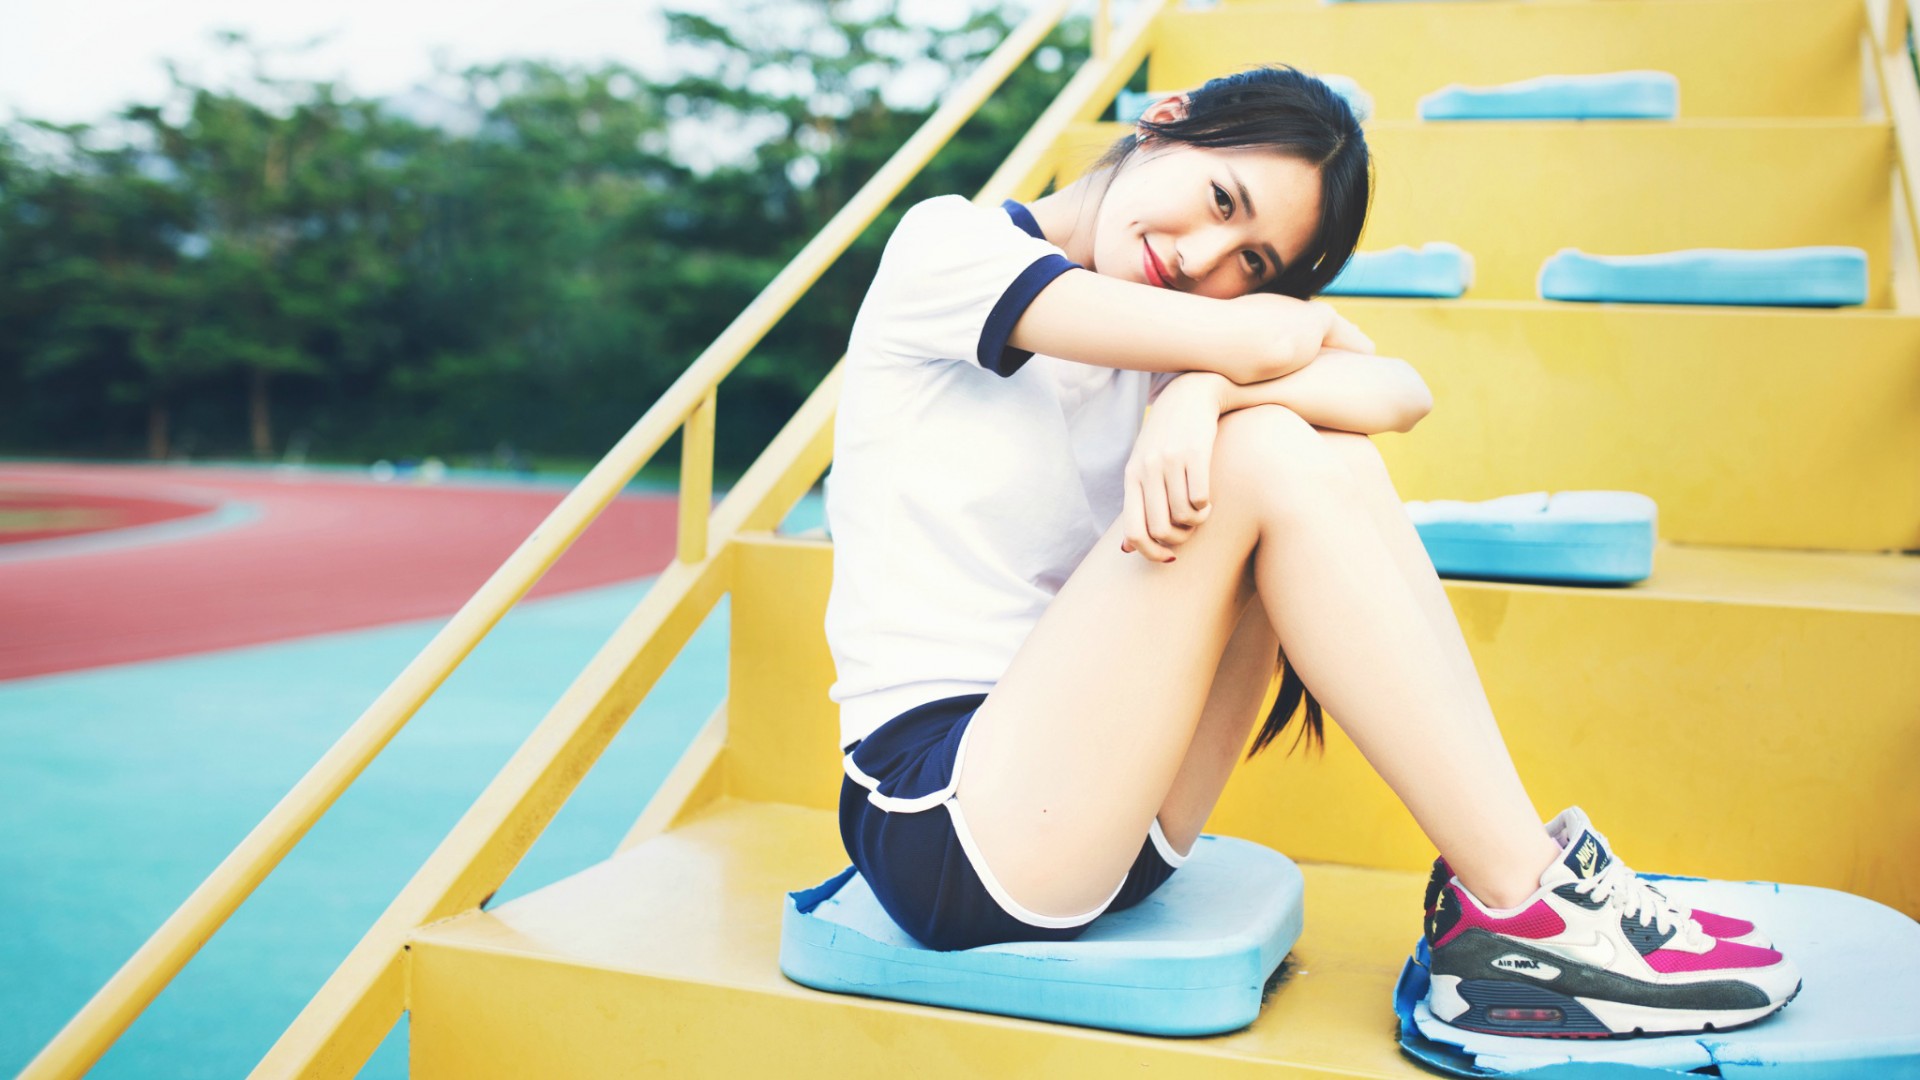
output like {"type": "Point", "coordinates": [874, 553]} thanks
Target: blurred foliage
{"type": "Point", "coordinates": [527, 260]}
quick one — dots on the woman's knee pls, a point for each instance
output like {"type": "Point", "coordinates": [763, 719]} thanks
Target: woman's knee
{"type": "Point", "coordinates": [1362, 458]}
{"type": "Point", "coordinates": [1357, 450]}
{"type": "Point", "coordinates": [1271, 450]}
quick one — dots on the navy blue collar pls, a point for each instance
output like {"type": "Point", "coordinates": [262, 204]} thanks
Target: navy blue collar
{"type": "Point", "coordinates": [1023, 217]}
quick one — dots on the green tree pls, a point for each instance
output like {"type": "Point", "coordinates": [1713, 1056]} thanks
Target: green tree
{"type": "Point", "coordinates": [287, 213]}
{"type": "Point", "coordinates": [99, 292]}
{"type": "Point", "coordinates": [531, 258]}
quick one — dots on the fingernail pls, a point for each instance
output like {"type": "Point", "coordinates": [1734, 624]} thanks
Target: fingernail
{"type": "Point", "coordinates": [1170, 558]}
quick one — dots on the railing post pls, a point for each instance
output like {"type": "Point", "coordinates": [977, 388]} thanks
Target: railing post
{"type": "Point", "coordinates": [696, 478]}
{"type": "Point", "coordinates": [1889, 21]}
{"type": "Point", "coordinates": [1103, 30]}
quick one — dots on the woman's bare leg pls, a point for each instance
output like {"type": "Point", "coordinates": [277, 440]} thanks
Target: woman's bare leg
{"type": "Point", "coordinates": [1246, 671]}
{"type": "Point", "coordinates": [1383, 502]}
{"type": "Point", "coordinates": [1233, 708]}
{"type": "Point", "coordinates": [1075, 750]}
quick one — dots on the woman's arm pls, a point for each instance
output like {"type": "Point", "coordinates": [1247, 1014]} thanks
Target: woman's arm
{"type": "Point", "coordinates": [1347, 391]}
{"type": "Point", "coordinates": [1095, 319]}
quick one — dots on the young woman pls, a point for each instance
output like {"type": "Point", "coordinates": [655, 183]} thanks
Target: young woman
{"type": "Point", "coordinates": [1085, 610]}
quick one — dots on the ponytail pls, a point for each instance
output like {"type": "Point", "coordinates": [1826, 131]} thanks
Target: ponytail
{"type": "Point", "coordinates": [1293, 695]}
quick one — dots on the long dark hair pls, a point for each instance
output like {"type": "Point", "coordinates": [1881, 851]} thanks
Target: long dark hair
{"type": "Point", "coordinates": [1284, 109]}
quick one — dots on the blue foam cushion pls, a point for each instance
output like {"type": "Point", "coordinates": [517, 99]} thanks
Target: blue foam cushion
{"type": "Point", "coordinates": [1437, 269]}
{"type": "Point", "coordinates": [1129, 104]}
{"type": "Point", "coordinates": [1824, 276]}
{"type": "Point", "coordinates": [1857, 1014]}
{"type": "Point", "coordinates": [1619, 95]}
{"type": "Point", "coordinates": [1571, 536]}
{"type": "Point", "coordinates": [1191, 959]}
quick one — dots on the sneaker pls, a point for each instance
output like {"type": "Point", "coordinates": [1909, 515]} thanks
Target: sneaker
{"type": "Point", "coordinates": [1563, 829]}
{"type": "Point", "coordinates": [1595, 952]}
{"type": "Point", "coordinates": [1571, 821]}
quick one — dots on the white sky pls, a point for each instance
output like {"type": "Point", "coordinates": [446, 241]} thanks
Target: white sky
{"type": "Point", "coordinates": [78, 60]}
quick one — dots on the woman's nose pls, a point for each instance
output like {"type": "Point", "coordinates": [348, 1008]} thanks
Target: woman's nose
{"type": "Point", "coordinates": [1204, 251]}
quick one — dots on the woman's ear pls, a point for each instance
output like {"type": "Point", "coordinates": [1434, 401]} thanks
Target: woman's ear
{"type": "Point", "coordinates": [1170, 108]}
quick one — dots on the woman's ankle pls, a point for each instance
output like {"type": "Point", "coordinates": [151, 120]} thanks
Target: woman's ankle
{"type": "Point", "coordinates": [1509, 885]}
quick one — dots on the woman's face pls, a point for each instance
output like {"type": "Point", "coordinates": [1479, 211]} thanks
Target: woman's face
{"type": "Point", "coordinates": [1218, 223]}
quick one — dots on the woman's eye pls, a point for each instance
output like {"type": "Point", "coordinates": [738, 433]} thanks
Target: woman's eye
{"type": "Point", "coordinates": [1257, 265]}
{"type": "Point", "coordinates": [1223, 200]}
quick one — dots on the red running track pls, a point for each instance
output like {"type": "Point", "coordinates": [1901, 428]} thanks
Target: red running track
{"type": "Point", "coordinates": [27, 515]}
{"type": "Point", "coordinates": [323, 554]}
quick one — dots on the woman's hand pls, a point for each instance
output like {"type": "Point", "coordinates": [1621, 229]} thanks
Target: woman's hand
{"type": "Point", "coordinates": [1296, 331]}
{"type": "Point", "coordinates": [1168, 475]}
{"type": "Point", "coordinates": [1342, 334]}
{"type": "Point", "coordinates": [1344, 390]}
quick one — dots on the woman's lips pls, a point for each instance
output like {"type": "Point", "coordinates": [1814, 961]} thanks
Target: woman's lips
{"type": "Point", "coordinates": [1156, 274]}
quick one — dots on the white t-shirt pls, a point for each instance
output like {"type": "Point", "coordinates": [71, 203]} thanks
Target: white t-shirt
{"type": "Point", "coordinates": [969, 478]}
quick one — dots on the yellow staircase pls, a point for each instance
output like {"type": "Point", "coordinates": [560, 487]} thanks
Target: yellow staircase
{"type": "Point", "coordinates": [1752, 711]}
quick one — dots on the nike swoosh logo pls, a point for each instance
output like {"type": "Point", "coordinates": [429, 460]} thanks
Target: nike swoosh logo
{"type": "Point", "coordinates": [1596, 950]}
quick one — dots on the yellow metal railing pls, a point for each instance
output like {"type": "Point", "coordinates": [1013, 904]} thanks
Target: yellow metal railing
{"type": "Point", "coordinates": [1890, 24]}
{"type": "Point", "coordinates": [349, 1016]}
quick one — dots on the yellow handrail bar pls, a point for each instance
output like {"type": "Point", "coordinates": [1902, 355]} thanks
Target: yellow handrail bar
{"type": "Point", "coordinates": [696, 479]}
{"type": "Point", "coordinates": [1889, 22]}
{"type": "Point", "coordinates": [107, 1015]}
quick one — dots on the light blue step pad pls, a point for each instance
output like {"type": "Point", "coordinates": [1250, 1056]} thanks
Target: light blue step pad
{"type": "Point", "coordinates": [1191, 959]}
{"type": "Point", "coordinates": [1820, 276]}
{"type": "Point", "coordinates": [1617, 95]}
{"type": "Point", "coordinates": [1437, 269]}
{"type": "Point", "coordinates": [1857, 1016]}
{"type": "Point", "coordinates": [1129, 104]}
{"type": "Point", "coordinates": [1585, 537]}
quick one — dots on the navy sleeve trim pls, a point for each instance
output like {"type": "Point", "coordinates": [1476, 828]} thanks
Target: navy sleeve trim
{"type": "Point", "coordinates": [1023, 217]}
{"type": "Point", "coordinates": [995, 354]}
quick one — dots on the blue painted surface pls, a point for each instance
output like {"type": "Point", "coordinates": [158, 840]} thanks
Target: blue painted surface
{"type": "Point", "coordinates": [122, 788]}
{"type": "Point", "coordinates": [1575, 537]}
{"type": "Point", "coordinates": [1436, 269]}
{"type": "Point", "coordinates": [1619, 95]}
{"type": "Point", "coordinates": [1190, 959]}
{"type": "Point", "coordinates": [1828, 275]}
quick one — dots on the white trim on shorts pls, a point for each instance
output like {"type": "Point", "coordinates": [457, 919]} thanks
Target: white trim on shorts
{"type": "Point", "coordinates": [1164, 845]}
{"type": "Point", "coordinates": [894, 805]}
{"type": "Point", "coordinates": [946, 797]}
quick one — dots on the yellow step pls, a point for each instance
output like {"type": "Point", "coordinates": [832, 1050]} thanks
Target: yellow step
{"type": "Point", "coordinates": [1512, 194]}
{"type": "Point", "coordinates": [1752, 427]}
{"type": "Point", "coordinates": [665, 961]}
{"type": "Point", "coordinates": [1743, 714]}
{"type": "Point", "coordinates": [1732, 57]}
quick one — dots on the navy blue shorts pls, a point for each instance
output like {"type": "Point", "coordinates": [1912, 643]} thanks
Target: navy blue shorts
{"type": "Point", "coordinates": [906, 836]}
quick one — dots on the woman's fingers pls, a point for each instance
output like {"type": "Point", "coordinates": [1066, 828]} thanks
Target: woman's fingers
{"type": "Point", "coordinates": [1133, 509]}
{"type": "Point", "coordinates": [1345, 335]}
{"type": "Point", "coordinates": [1144, 508]}
{"type": "Point", "coordinates": [1161, 512]}
{"type": "Point", "coordinates": [1186, 512]}
{"type": "Point", "coordinates": [1199, 476]}
{"type": "Point", "coordinates": [1162, 533]}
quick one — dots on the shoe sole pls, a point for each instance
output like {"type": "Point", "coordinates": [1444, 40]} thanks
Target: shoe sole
{"type": "Point", "coordinates": [1472, 1002]}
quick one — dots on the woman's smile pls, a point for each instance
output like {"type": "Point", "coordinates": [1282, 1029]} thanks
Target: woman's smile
{"type": "Point", "coordinates": [1156, 273]}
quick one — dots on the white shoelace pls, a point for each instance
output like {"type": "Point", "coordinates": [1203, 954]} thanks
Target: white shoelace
{"type": "Point", "coordinates": [1636, 899]}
